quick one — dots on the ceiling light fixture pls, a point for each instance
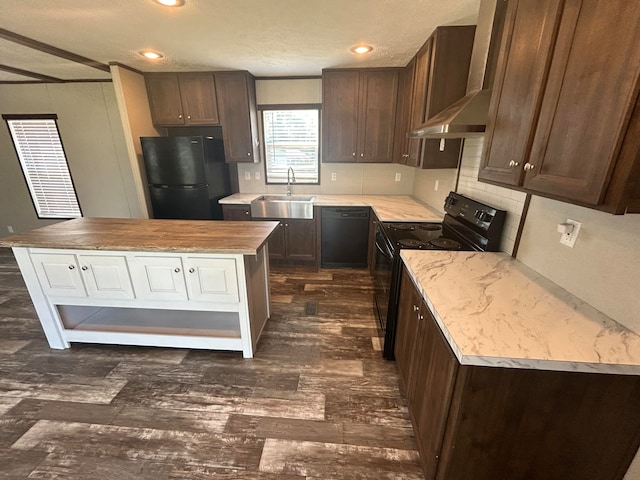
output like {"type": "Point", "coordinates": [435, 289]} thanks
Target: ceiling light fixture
{"type": "Point", "coordinates": [151, 54]}
{"type": "Point", "coordinates": [170, 3]}
{"type": "Point", "coordinates": [362, 49]}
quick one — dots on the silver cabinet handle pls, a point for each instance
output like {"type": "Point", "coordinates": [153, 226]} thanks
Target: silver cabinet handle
{"type": "Point", "coordinates": [513, 163]}
{"type": "Point", "coordinates": [84, 267]}
{"type": "Point", "coordinates": [286, 224]}
{"type": "Point", "coordinates": [247, 212]}
{"type": "Point", "coordinates": [188, 117]}
{"type": "Point", "coordinates": [179, 116]}
{"type": "Point", "coordinates": [177, 270]}
{"type": "Point", "coordinates": [248, 154]}
{"type": "Point", "coordinates": [415, 308]}
{"type": "Point", "coordinates": [71, 267]}
{"type": "Point", "coordinates": [191, 270]}
{"type": "Point", "coordinates": [528, 166]}
{"type": "Point", "coordinates": [353, 154]}
{"type": "Point", "coordinates": [420, 317]}
{"type": "Point", "coordinates": [362, 154]}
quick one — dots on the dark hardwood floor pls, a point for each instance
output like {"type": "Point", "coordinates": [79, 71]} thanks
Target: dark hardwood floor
{"type": "Point", "coordinates": [316, 402]}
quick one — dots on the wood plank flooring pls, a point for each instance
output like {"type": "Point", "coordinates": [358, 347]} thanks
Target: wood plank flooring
{"type": "Point", "coordinates": [316, 402]}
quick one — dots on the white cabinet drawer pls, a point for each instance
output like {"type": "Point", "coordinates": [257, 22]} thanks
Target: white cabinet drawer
{"type": "Point", "coordinates": [59, 274]}
{"type": "Point", "coordinates": [106, 276]}
{"type": "Point", "coordinates": [158, 278]}
{"type": "Point", "coordinates": [212, 279]}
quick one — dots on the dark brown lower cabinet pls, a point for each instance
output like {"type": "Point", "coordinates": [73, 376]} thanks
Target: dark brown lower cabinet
{"type": "Point", "coordinates": [487, 423]}
{"type": "Point", "coordinates": [236, 212]}
{"type": "Point", "coordinates": [294, 242]}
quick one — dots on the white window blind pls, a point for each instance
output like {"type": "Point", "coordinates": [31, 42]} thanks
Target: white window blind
{"type": "Point", "coordinates": [45, 167]}
{"type": "Point", "coordinates": [291, 140]}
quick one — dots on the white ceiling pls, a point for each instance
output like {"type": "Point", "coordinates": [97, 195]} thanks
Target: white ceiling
{"type": "Point", "coordinates": [266, 37]}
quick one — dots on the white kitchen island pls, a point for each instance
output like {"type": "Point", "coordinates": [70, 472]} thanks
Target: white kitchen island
{"type": "Point", "coordinates": [168, 283]}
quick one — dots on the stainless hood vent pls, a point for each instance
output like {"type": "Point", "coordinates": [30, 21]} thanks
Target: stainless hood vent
{"type": "Point", "coordinates": [468, 116]}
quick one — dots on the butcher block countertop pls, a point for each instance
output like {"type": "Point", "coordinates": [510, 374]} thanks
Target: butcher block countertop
{"type": "Point", "coordinates": [495, 311]}
{"type": "Point", "coordinates": [388, 208]}
{"type": "Point", "coordinates": [126, 234]}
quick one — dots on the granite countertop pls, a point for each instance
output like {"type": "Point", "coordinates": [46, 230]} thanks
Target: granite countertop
{"type": "Point", "coordinates": [388, 208]}
{"type": "Point", "coordinates": [126, 234]}
{"type": "Point", "coordinates": [495, 311]}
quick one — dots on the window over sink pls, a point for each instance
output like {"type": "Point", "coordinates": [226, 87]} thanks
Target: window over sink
{"type": "Point", "coordinates": [291, 139]}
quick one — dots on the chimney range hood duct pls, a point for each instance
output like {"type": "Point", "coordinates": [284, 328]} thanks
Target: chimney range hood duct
{"type": "Point", "coordinates": [468, 116]}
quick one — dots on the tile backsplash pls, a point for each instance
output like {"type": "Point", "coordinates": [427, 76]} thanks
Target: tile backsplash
{"type": "Point", "coordinates": [510, 200]}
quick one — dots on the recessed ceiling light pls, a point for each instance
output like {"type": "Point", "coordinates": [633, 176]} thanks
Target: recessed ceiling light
{"type": "Point", "coordinates": [151, 54]}
{"type": "Point", "coordinates": [362, 49]}
{"type": "Point", "coordinates": [170, 3]}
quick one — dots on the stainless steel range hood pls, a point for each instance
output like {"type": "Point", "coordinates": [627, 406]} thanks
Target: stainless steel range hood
{"type": "Point", "coordinates": [468, 116]}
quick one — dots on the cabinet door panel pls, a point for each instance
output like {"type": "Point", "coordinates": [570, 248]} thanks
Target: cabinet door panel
{"type": "Point", "coordinates": [106, 276]}
{"type": "Point", "coordinates": [340, 116]}
{"type": "Point", "coordinates": [300, 239]}
{"type": "Point", "coordinates": [591, 89]}
{"type": "Point", "coordinates": [433, 381]}
{"type": "Point", "coordinates": [517, 90]}
{"type": "Point", "coordinates": [236, 103]}
{"type": "Point", "coordinates": [199, 98]}
{"type": "Point", "coordinates": [212, 279]}
{"type": "Point", "coordinates": [59, 274]}
{"type": "Point", "coordinates": [164, 99]}
{"type": "Point", "coordinates": [379, 93]}
{"type": "Point", "coordinates": [277, 248]}
{"type": "Point", "coordinates": [406, 330]}
{"type": "Point", "coordinates": [236, 212]}
{"type": "Point", "coordinates": [158, 278]}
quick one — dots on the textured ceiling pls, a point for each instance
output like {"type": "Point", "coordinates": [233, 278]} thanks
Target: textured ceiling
{"type": "Point", "coordinates": [266, 37]}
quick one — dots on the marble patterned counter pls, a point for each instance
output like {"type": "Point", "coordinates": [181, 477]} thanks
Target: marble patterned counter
{"type": "Point", "coordinates": [495, 311]}
{"type": "Point", "coordinates": [388, 208]}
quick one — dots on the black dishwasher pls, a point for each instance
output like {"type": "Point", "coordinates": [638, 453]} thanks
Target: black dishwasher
{"type": "Point", "coordinates": [345, 236]}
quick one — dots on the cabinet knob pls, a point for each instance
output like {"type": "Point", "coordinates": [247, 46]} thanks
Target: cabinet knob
{"type": "Point", "coordinates": [362, 154]}
{"type": "Point", "coordinates": [415, 308]}
{"type": "Point", "coordinates": [191, 270]}
{"type": "Point", "coordinates": [420, 317]}
{"type": "Point", "coordinates": [177, 270]}
{"type": "Point", "coordinates": [71, 267]}
{"type": "Point", "coordinates": [179, 116]}
{"type": "Point", "coordinates": [84, 267]}
{"type": "Point", "coordinates": [286, 224]}
{"type": "Point", "coordinates": [188, 117]}
{"type": "Point", "coordinates": [248, 154]}
{"type": "Point", "coordinates": [529, 166]}
{"type": "Point", "coordinates": [247, 212]}
{"type": "Point", "coordinates": [353, 154]}
{"type": "Point", "coordinates": [513, 163]}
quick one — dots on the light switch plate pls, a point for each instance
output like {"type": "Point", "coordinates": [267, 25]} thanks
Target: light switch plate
{"type": "Point", "coordinates": [398, 176]}
{"type": "Point", "coordinates": [436, 185]}
{"type": "Point", "coordinates": [247, 175]}
{"type": "Point", "coordinates": [257, 175]}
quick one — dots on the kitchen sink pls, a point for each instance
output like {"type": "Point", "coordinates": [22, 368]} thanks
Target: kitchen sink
{"type": "Point", "coordinates": [282, 206]}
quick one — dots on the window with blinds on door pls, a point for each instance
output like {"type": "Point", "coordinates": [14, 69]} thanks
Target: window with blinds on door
{"type": "Point", "coordinates": [37, 143]}
{"type": "Point", "coordinates": [291, 140]}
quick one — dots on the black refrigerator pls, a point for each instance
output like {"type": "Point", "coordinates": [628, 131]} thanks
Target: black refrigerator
{"type": "Point", "coordinates": [186, 176]}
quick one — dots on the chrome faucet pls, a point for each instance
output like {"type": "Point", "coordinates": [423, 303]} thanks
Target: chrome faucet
{"type": "Point", "coordinates": [290, 175]}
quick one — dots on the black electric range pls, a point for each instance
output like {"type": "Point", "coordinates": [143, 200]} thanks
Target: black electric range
{"type": "Point", "coordinates": [468, 225]}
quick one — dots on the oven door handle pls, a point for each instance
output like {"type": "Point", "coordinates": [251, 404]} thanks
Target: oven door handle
{"type": "Point", "coordinates": [384, 251]}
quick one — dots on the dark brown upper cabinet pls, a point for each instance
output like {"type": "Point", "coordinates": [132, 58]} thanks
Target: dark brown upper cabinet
{"type": "Point", "coordinates": [434, 79]}
{"type": "Point", "coordinates": [238, 116]}
{"type": "Point", "coordinates": [564, 120]}
{"type": "Point", "coordinates": [358, 118]}
{"type": "Point", "coordinates": [182, 98]}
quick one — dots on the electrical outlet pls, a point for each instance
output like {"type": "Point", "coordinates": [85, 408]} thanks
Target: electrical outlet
{"type": "Point", "coordinates": [334, 176]}
{"type": "Point", "coordinates": [247, 175]}
{"type": "Point", "coordinates": [436, 185]}
{"type": "Point", "coordinates": [569, 238]}
{"type": "Point", "coordinates": [257, 175]}
{"type": "Point", "coordinates": [442, 144]}
{"type": "Point", "coordinates": [10, 228]}
{"type": "Point", "coordinates": [398, 176]}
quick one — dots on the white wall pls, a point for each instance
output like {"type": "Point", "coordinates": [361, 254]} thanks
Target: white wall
{"type": "Point", "coordinates": [424, 187]}
{"type": "Point", "coordinates": [352, 178]}
{"type": "Point", "coordinates": [135, 118]}
{"type": "Point", "coordinates": [93, 141]}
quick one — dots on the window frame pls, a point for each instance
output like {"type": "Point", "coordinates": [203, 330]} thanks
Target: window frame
{"type": "Point", "coordinates": [43, 116]}
{"type": "Point", "coordinates": [289, 106]}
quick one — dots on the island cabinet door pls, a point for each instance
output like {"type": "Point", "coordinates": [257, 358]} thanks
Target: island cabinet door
{"type": "Point", "coordinates": [106, 276]}
{"type": "Point", "coordinates": [212, 279]}
{"type": "Point", "coordinates": [59, 274]}
{"type": "Point", "coordinates": [158, 278]}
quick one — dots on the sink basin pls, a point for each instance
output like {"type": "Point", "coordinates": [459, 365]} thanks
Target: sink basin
{"type": "Point", "coordinates": [282, 206]}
